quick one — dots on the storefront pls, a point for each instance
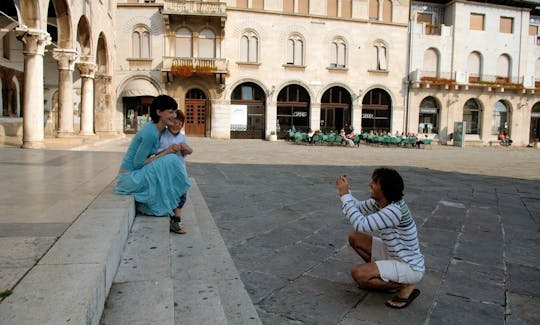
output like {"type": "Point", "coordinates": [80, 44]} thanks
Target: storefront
{"type": "Point", "coordinates": [376, 111]}
{"type": "Point", "coordinates": [292, 110]}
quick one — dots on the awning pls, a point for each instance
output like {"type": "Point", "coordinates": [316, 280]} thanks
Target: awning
{"type": "Point", "coordinates": [139, 87]}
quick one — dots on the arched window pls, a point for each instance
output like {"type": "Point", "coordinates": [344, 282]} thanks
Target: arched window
{"type": "Point", "coordinates": [431, 63]}
{"type": "Point", "coordinates": [387, 10]}
{"type": "Point", "coordinates": [295, 50]}
{"type": "Point", "coordinates": [140, 42]}
{"type": "Point", "coordinates": [474, 65]}
{"type": "Point", "coordinates": [380, 55]}
{"type": "Point", "coordinates": [471, 117]}
{"type": "Point", "coordinates": [184, 41]}
{"type": "Point", "coordinates": [429, 116]}
{"type": "Point", "coordinates": [503, 68]}
{"type": "Point", "coordinates": [374, 9]}
{"type": "Point", "coordinates": [207, 44]}
{"type": "Point", "coordinates": [500, 118]}
{"type": "Point", "coordinates": [249, 47]}
{"type": "Point", "coordinates": [339, 53]}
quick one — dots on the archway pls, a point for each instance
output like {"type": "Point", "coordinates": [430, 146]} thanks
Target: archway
{"type": "Point", "coordinates": [195, 104]}
{"type": "Point", "coordinates": [472, 115]}
{"type": "Point", "coordinates": [501, 118]}
{"type": "Point", "coordinates": [428, 118]}
{"type": "Point", "coordinates": [137, 96]}
{"type": "Point", "coordinates": [292, 110]}
{"type": "Point", "coordinates": [104, 111]}
{"type": "Point", "coordinates": [534, 132]}
{"type": "Point", "coordinates": [376, 111]}
{"type": "Point", "coordinates": [335, 109]}
{"type": "Point", "coordinates": [248, 112]}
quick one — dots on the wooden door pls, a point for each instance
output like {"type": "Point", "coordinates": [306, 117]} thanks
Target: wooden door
{"type": "Point", "coordinates": [195, 117]}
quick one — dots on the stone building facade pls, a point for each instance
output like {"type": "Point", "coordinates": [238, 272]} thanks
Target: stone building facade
{"type": "Point", "coordinates": [250, 68]}
{"type": "Point", "coordinates": [56, 68]}
{"type": "Point", "coordinates": [478, 63]}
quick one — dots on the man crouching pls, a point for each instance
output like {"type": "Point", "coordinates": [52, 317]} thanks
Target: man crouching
{"type": "Point", "coordinates": [393, 260]}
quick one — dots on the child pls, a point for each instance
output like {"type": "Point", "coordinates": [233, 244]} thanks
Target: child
{"type": "Point", "coordinates": [172, 135]}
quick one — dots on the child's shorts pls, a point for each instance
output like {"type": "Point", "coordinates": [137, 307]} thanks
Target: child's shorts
{"type": "Point", "coordinates": [391, 269]}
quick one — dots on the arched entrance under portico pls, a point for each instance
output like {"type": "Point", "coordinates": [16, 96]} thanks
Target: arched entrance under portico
{"type": "Point", "coordinates": [248, 112]}
{"type": "Point", "coordinates": [534, 132]}
{"type": "Point", "coordinates": [376, 111]}
{"type": "Point", "coordinates": [196, 112]}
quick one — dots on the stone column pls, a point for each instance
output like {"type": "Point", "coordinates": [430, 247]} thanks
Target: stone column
{"type": "Point", "coordinates": [66, 63]}
{"type": "Point", "coordinates": [315, 116]}
{"type": "Point", "coordinates": [87, 71]}
{"type": "Point", "coordinates": [34, 42]}
{"type": "Point", "coordinates": [104, 109]}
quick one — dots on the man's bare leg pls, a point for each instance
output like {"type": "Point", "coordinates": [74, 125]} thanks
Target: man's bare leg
{"type": "Point", "coordinates": [361, 243]}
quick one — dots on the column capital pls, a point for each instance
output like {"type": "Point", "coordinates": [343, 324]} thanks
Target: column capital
{"type": "Point", "coordinates": [66, 58]}
{"type": "Point", "coordinates": [34, 40]}
{"type": "Point", "coordinates": [87, 69]}
{"type": "Point", "coordinates": [103, 76]}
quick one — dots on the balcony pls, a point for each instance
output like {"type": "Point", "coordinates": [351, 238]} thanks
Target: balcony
{"type": "Point", "coordinates": [464, 80]}
{"type": "Point", "coordinates": [194, 8]}
{"type": "Point", "coordinates": [188, 67]}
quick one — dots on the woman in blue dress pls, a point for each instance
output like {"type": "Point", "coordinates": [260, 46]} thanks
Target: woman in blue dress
{"type": "Point", "coordinates": [155, 179]}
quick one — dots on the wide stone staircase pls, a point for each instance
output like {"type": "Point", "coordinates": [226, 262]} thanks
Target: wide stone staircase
{"type": "Point", "coordinates": [111, 267]}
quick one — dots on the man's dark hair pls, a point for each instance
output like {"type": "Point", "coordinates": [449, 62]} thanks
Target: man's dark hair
{"type": "Point", "coordinates": [162, 103]}
{"type": "Point", "coordinates": [391, 183]}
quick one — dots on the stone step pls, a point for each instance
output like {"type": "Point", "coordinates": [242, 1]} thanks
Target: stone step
{"type": "Point", "coordinates": [142, 288]}
{"type": "Point", "coordinates": [202, 264]}
{"type": "Point", "coordinates": [70, 283]}
{"type": "Point", "coordinates": [167, 278]}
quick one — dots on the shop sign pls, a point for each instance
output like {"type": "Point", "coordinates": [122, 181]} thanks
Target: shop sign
{"type": "Point", "coordinates": [367, 115]}
{"type": "Point", "coordinates": [299, 114]}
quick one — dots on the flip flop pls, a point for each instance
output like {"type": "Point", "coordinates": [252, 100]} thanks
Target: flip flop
{"type": "Point", "coordinates": [407, 301]}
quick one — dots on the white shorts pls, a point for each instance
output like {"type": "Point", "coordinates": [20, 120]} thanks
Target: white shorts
{"type": "Point", "coordinates": [391, 269]}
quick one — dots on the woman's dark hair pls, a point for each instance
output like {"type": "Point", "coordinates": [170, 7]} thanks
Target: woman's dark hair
{"type": "Point", "coordinates": [391, 183]}
{"type": "Point", "coordinates": [162, 103]}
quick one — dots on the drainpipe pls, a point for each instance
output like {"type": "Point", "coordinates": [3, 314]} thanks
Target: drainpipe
{"type": "Point", "coordinates": [409, 64]}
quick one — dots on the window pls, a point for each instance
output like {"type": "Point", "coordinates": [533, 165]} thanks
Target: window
{"type": "Point", "coordinates": [506, 25]}
{"type": "Point", "coordinates": [380, 54]}
{"type": "Point", "coordinates": [387, 10]}
{"type": "Point", "coordinates": [207, 44]}
{"type": "Point", "coordinates": [431, 63]}
{"type": "Point", "coordinates": [476, 21]}
{"type": "Point", "coordinates": [500, 118]}
{"type": "Point", "coordinates": [295, 50]}
{"type": "Point", "coordinates": [242, 3]}
{"type": "Point", "coordinates": [141, 43]}
{"type": "Point", "coordinates": [471, 117]}
{"type": "Point", "coordinates": [533, 30]}
{"type": "Point", "coordinates": [257, 4]}
{"type": "Point", "coordinates": [474, 65]}
{"type": "Point", "coordinates": [303, 6]}
{"type": "Point", "coordinates": [249, 47]}
{"type": "Point", "coordinates": [339, 53]}
{"type": "Point", "coordinates": [296, 6]}
{"type": "Point", "coordinates": [503, 68]}
{"type": "Point", "coordinates": [332, 8]}
{"type": "Point", "coordinates": [346, 8]}
{"type": "Point", "coordinates": [374, 9]}
{"type": "Point", "coordinates": [184, 41]}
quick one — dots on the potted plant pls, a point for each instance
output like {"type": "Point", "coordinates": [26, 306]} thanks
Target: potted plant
{"type": "Point", "coordinates": [272, 136]}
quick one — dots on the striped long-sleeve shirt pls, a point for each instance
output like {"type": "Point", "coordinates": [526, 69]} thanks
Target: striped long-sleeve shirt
{"type": "Point", "coordinates": [394, 223]}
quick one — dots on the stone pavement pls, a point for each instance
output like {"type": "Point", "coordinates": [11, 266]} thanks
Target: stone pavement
{"type": "Point", "coordinates": [276, 208]}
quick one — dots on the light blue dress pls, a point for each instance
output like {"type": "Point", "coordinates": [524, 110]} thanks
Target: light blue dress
{"type": "Point", "coordinates": [156, 186]}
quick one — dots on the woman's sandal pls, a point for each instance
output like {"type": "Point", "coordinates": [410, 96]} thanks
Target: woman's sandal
{"type": "Point", "coordinates": [405, 301]}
